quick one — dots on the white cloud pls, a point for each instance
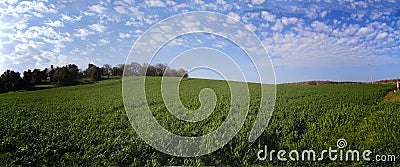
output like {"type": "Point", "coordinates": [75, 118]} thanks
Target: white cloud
{"type": "Point", "coordinates": [278, 26]}
{"type": "Point", "coordinates": [2, 60]}
{"type": "Point", "coordinates": [288, 21]}
{"type": "Point", "coordinates": [123, 35]}
{"type": "Point", "coordinates": [220, 44]}
{"type": "Point", "coordinates": [323, 14]}
{"type": "Point", "coordinates": [133, 23]}
{"type": "Point", "coordinates": [46, 34]}
{"type": "Point", "coordinates": [375, 15]}
{"type": "Point", "coordinates": [320, 27]}
{"type": "Point", "coordinates": [129, 1]}
{"type": "Point", "coordinates": [171, 3]}
{"type": "Point", "coordinates": [346, 30]}
{"type": "Point", "coordinates": [37, 14]}
{"type": "Point", "coordinates": [11, 23]}
{"type": "Point", "coordinates": [155, 3]}
{"type": "Point", "coordinates": [311, 12]}
{"type": "Point", "coordinates": [318, 44]}
{"type": "Point", "coordinates": [252, 27]}
{"type": "Point", "coordinates": [69, 18]}
{"type": "Point", "coordinates": [31, 6]}
{"type": "Point", "coordinates": [177, 7]}
{"type": "Point", "coordinates": [12, 2]}
{"type": "Point", "coordinates": [34, 47]}
{"type": "Point", "coordinates": [83, 33]}
{"type": "Point", "coordinates": [56, 23]}
{"type": "Point", "coordinates": [247, 17]}
{"type": "Point", "coordinates": [268, 17]}
{"type": "Point", "coordinates": [221, 2]}
{"type": "Point", "coordinates": [98, 27]}
{"type": "Point", "coordinates": [210, 6]}
{"type": "Point", "coordinates": [125, 7]}
{"type": "Point", "coordinates": [364, 31]}
{"type": "Point", "coordinates": [135, 10]}
{"type": "Point", "coordinates": [97, 8]}
{"type": "Point", "coordinates": [121, 9]}
{"type": "Point", "coordinates": [358, 16]}
{"type": "Point", "coordinates": [311, 50]}
{"type": "Point", "coordinates": [355, 4]}
{"type": "Point", "coordinates": [16, 15]}
{"type": "Point", "coordinates": [381, 35]}
{"type": "Point", "coordinates": [198, 2]}
{"type": "Point", "coordinates": [257, 2]}
{"type": "Point", "coordinates": [234, 15]}
{"type": "Point", "coordinates": [104, 41]}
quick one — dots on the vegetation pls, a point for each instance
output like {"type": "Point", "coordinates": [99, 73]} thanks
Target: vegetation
{"type": "Point", "coordinates": [392, 97]}
{"type": "Point", "coordinates": [67, 75]}
{"type": "Point", "coordinates": [70, 75]}
{"type": "Point", "coordinates": [324, 82]}
{"type": "Point", "coordinates": [11, 81]}
{"type": "Point", "coordinates": [87, 124]}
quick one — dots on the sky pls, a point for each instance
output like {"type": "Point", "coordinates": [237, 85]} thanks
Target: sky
{"type": "Point", "coordinates": [345, 40]}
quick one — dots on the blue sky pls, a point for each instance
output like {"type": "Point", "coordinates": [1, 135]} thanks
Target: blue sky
{"type": "Point", "coordinates": [344, 40]}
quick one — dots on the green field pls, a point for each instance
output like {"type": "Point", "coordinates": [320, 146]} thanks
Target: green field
{"type": "Point", "coordinates": [87, 124]}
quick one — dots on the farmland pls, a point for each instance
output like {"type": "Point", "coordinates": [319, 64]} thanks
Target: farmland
{"type": "Point", "coordinates": [87, 124]}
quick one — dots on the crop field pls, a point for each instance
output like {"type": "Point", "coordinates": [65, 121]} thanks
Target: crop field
{"type": "Point", "coordinates": [87, 125]}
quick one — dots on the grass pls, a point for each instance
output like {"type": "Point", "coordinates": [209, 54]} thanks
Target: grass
{"type": "Point", "coordinates": [392, 97]}
{"type": "Point", "coordinates": [86, 125]}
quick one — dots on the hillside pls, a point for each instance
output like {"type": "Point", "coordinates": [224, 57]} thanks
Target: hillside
{"type": "Point", "coordinates": [87, 124]}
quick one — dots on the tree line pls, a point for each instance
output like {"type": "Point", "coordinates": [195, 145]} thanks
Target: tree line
{"type": "Point", "coordinates": [71, 74]}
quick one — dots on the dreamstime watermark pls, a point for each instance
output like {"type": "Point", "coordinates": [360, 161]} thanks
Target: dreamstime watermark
{"type": "Point", "coordinates": [156, 37]}
{"type": "Point", "coordinates": [331, 154]}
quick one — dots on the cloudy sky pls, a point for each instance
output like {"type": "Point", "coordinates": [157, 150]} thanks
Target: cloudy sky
{"type": "Point", "coordinates": [344, 40]}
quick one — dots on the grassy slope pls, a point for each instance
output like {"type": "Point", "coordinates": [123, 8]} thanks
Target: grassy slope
{"type": "Point", "coordinates": [87, 124]}
{"type": "Point", "coordinates": [392, 97]}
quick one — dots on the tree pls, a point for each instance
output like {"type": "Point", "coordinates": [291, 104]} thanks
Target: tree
{"type": "Point", "coordinates": [171, 72]}
{"type": "Point", "coordinates": [45, 72]}
{"type": "Point", "coordinates": [38, 76]}
{"type": "Point", "coordinates": [151, 71]}
{"type": "Point", "coordinates": [107, 70]}
{"type": "Point", "coordinates": [182, 73]}
{"type": "Point", "coordinates": [160, 69]}
{"type": "Point", "coordinates": [67, 75]}
{"type": "Point", "coordinates": [133, 69]}
{"type": "Point", "coordinates": [93, 73]}
{"type": "Point", "coordinates": [34, 77]}
{"type": "Point", "coordinates": [2, 88]}
{"type": "Point", "coordinates": [143, 70]}
{"type": "Point", "coordinates": [73, 72]}
{"type": "Point", "coordinates": [28, 79]}
{"type": "Point", "coordinates": [81, 73]}
{"type": "Point", "coordinates": [12, 81]}
{"type": "Point", "coordinates": [118, 70]}
{"type": "Point", "coordinates": [51, 72]}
